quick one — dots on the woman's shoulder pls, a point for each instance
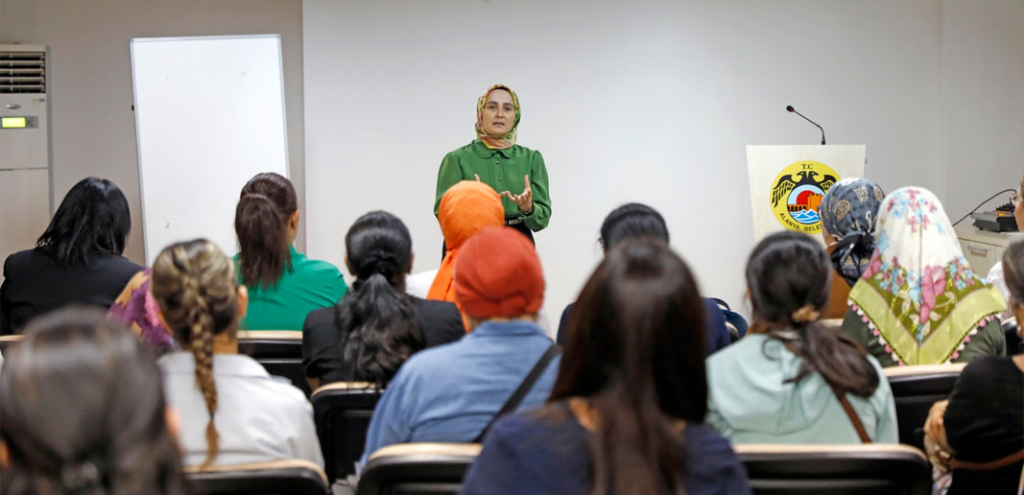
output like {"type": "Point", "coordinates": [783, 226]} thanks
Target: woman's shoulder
{"type": "Point", "coordinates": [18, 261]}
{"type": "Point", "coordinates": [309, 267]}
{"type": "Point", "coordinates": [538, 429]}
{"type": "Point", "coordinates": [704, 441]}
{"type": "Point", "coordinates": [520, 150]}
{"type": "Point", "coordinates": [983, 369]}
{"type": "Point", "coordinates": [750, 347]}
{"type": "Point", "coordinates": [430, 309]}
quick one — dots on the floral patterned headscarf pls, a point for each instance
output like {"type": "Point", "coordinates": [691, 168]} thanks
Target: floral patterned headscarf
{"type": "Point", "coordinates": [492, 142]}
{"type": "Point", "coordinates": [918, 294]}
{"type": "Point", "coordinates": [848, 212]}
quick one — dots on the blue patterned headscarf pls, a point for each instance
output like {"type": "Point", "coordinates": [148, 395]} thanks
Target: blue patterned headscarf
{"type": "Point", "coordinates": [848, 212]}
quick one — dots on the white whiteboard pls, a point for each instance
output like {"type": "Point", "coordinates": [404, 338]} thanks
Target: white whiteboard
{"type": "Point", "coordinates": [209, 115]}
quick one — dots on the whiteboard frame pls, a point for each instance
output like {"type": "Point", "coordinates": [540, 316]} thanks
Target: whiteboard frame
{"type": "Point", "coordinates": [138, 134]}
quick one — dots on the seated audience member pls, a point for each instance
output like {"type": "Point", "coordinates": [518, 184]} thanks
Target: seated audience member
{"type": "Point", "coordinates": [377, 326]}
{"type": "Point", "coordinates": [995, 275]}
{"type": "Point", "coordinates": [77, 260]}
{"type": "Point", "coordinates": [136, 309]}
{"type": "Point", "coordinates": [465, 209]}
{"type": "Point", "coordinates": [918, 302]}
{"type": "Point", "coordinates": [848, 213]}
{"type": "Point", "coordinates": [232, 411]}
{"type": "Point", "coordinates": [626, 414]}
{"type": "Point", "coordinates": [638, 221]}
{"type": "Point", "coordinates": [790, 379]}
{"type": "Point", "coordinates": [284, 285]}
{"type": "Point", "coordinates": [84, 413]}
{"type": "Point", "coordinates": [981, 426]}
{"type": "Point", "coordinates": [452, 392]}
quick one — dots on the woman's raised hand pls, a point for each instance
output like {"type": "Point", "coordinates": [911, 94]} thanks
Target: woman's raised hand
{"type": "Point", "coordinates": [525, 200]}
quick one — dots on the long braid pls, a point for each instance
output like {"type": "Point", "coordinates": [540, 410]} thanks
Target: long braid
{"type": "Point", "coordinates": [194, 285]}
{"type": "Point", "coordinates": [201, 326]}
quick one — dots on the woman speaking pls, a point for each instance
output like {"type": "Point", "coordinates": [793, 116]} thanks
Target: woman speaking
{"type": "Point", "coordinates": [516, 173]}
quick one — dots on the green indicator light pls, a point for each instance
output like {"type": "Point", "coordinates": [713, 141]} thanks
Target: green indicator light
{"type": "Point", "coordinates": [13, 122]}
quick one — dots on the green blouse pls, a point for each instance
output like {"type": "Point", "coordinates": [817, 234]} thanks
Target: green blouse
{"type": "Point", "coordinates": [504, 171]}
{"type": "Point", "coordinates": [308, 285]}
{"type": "Point", "coordinates": [989, 341]}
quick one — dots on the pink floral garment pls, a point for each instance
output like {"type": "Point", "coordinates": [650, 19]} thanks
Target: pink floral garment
{"type": "Point", "coordinates": [918, 294]}
{"type": "Point", "coordinates": [136, 309]}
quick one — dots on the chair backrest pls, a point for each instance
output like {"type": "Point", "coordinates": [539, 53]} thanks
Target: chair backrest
{"type": "Point", "coordinates": [285, 477]}
{"type": "Point", "coordinates": [915, 389]}
{"type": "Point", "coordinates": [7, 341]}
{"type": "Point", "coordinates": [342, 412]}
{"type": "Point", "coordinates": [279, 351]}
{"type": "Point", "coordinates": [871, 469]}
{"type": "Point", "coordinates": [417, 469]}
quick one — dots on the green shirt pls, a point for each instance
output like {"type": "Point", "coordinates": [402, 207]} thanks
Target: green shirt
{"type": "Point", "coordinates": [989, 341]}
{"type": "Point", "coordinates": [504, 171]}
{"type": "Point", "coordinates": [308, 285]}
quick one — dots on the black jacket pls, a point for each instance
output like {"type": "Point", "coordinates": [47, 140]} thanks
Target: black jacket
{"type": "Point", "coordinates": [35, 284]}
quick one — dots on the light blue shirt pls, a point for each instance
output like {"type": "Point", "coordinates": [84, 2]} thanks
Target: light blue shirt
{"type": "Point", "coordinates": [449, 393]}
{"type": "Point", "coordinates": [750, 401]}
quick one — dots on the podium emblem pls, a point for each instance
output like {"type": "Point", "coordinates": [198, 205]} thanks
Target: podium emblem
{"type": "Point", "coordinates": [797, 194]}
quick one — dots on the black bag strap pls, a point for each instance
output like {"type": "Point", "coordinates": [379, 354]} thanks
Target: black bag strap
{"type": "Point", "coordinates": [524, 388]}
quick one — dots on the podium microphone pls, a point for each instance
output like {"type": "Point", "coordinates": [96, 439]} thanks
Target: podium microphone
{"type": "Point", "coordinates": [791, 109]}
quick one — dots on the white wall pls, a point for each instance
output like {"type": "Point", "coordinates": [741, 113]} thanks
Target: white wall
{"type": "Point", "coordinates": [982, 100]}
{"type": "Point", "coordinates": [91, 80]}
{"type": "Point", "coordinates": [642, 101]}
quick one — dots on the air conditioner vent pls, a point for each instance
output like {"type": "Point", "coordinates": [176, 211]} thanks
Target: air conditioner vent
{"type": "Point", "coordinates": [22, 72]}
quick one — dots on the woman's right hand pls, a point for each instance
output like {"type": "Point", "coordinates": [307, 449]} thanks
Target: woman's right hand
{"type": "Point", "coordinates": [936, 445]}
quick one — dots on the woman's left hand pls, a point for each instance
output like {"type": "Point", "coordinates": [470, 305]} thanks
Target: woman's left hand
{"type": "Point", "coordinates": [525, 200]}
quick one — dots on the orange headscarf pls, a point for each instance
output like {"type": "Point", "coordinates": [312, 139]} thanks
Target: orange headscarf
{"type": "Point", "coordinates": [465, 209]}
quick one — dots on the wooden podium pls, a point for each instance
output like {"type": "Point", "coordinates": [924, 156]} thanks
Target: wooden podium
{"type": "Point", "coordinates": [787, 183]}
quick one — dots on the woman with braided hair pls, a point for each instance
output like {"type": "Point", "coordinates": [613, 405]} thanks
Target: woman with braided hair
{"type": "Point", "coordinates": [232, 411]}
{"type": "Point", "coordinates": [792, 379]}
{"type": "Point", "coordinates": [377, 326]}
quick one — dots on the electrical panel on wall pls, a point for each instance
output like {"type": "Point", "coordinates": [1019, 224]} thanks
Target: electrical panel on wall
{"type": "Point", "coordinates": [25, 147]}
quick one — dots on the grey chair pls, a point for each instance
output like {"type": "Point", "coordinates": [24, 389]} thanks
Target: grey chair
{"type": "Point", "coordinates": [861, 469]}
{"type": "Point", "coordinates": [915, 389]}
{"type": "Point", "coordinates": [342, 413]}
{"type": "Point", "coordinates": [286, 477]}
{"type": "Point", "coordinates": [417, 469]}
{"type": "Point", "coordinates": [279, 351]}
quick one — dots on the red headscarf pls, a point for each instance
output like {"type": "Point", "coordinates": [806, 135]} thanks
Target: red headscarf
{"type": "Point", "coordinates": [499, 275]}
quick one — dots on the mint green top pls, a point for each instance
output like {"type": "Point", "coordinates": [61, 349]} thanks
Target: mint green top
{"type": "Point", "coordinates": [503, 170]}
{"type": "Point", "coordinates": [308, 285]}
{"type": "Point", "coordinates": [749, 401]}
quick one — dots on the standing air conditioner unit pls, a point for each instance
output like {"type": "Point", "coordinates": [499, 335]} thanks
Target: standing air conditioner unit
{"type": "Point", "coordinates": [25, 151]}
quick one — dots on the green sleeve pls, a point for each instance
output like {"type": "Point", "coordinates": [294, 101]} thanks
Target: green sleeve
{"type": "Point", "coordinates": [989, 341]}
{"type": "Point", "coordinates": [448, 175]}
{"type": "Point", "coordinates": [340, 288]}
{"type": "Point", "coordinates": [541, 195]}
{"type": "Point", "coordinates": [854, 327]}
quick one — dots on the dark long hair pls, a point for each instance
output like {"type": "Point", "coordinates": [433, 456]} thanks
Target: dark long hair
{"type": "Point", "coordinates": [789, 277]}
{"type": "Point", "coordinates": [261, 224]}
{"type": "Point", "coordinates": [195, 286]}
{"type": "Point", "coordinates": [632, 221]}
{"type": "Point", "coordinates": [378, 324]}
{"type": "Point", "coordinates": [636, 352]}
{"type": "Point", "coordinates": [92, 219]}
{"type": "Point", "coordinates": [84, 413]}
